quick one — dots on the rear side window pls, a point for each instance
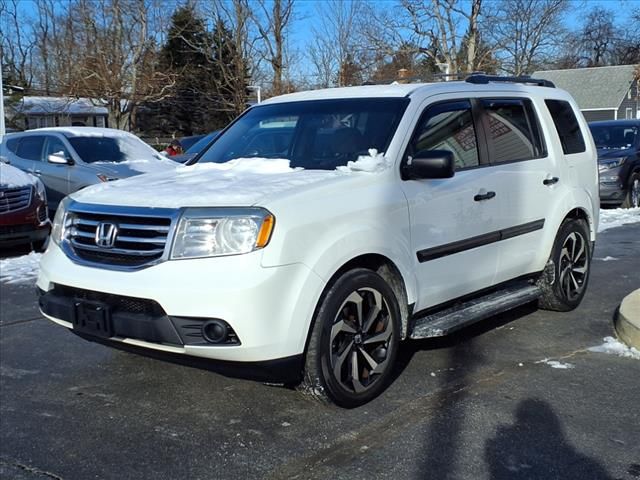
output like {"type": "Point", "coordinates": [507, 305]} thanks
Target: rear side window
{"type": "Point", "coordinates": [12, 144]}
{"type": "Point", "coordinates": [448, 126]}
{"type": "Point", "coordinates": [567, 126]}
{"type": "Point", "coordinates": [30, 147]}
{"type": "Point", "coordinates": [513, 130]}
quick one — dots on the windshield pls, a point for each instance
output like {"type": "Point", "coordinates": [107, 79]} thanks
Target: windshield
{"type": "Point", "coordinates": [203, 142]}
{"type": "Point", "coordinates": [319, 135]}
{"type": "Point", "coordinates": [119, 148]}
{"type": "Point", "coordinates": [618, 137]}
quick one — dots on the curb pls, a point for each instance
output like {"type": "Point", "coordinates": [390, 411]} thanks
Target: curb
{"type": "Point", "coordinates": [627, 321]}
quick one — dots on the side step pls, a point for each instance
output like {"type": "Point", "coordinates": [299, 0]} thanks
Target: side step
{"type": "Point", "coordinates": [453, 318]}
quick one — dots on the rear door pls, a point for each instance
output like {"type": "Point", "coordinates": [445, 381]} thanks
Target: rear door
{"type": "Point", "coordinates": [27, 152]}
{"type": "Point", "coordinates": [529, 180]}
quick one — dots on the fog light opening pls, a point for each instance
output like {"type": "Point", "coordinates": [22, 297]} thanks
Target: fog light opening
{"type": "Point", "coordinates": [215, 331]}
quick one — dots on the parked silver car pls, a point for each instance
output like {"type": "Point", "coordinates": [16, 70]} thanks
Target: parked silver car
{"type": "Point", "coordinates": [68, 159]}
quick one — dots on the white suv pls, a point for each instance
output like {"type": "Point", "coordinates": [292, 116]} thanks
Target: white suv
{"type": "Point", "coordinates": [322, 228]}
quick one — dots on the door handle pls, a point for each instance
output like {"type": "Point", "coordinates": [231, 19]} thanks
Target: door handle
{"type": "Point", "coordinates": [37, 172]}
{"type": "Point", "coordinates": [484, 196]}
{"type": "Point", "coordinates": [550, 181]}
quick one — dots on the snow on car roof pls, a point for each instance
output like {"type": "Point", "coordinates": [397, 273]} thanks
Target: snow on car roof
{"type": "Point", "coordinates": [365, 91]}
{"type": "Point", "coordinates": [84, 131]}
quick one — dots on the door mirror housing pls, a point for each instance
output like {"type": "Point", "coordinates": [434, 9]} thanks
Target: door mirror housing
{"type": "Point", "coordinates": [429, 164]}
{"type": "Point", "coordinates": [60, 160]}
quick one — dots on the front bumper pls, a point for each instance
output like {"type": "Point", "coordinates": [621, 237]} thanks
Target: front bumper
{"type": "Point", "coordinates": [12, 235]}
{"type": "Point", "coordinates": [269, 309]}
{"type": "Point", "coordinates": [612, 193]}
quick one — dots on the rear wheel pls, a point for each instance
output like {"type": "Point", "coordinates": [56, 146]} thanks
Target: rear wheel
{"type": "Point", "coordinates": [564, 281]}
{"type": "Point", "coordinates": [354, 340]}
{"type": "Point", "coordinates": [632, 199]}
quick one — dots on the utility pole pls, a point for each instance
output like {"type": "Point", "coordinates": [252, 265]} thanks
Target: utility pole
{"type": "Point", "coordinates": [2, 130]}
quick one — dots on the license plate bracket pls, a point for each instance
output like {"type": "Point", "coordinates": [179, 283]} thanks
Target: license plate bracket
{"type": "Point", "coordinates": [93, 318]}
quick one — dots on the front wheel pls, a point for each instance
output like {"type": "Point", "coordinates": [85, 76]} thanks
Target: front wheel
{"type": "Point", "coordinates": [632, 199]}
{"type": "Point", "coordinates": [354, 340]}
{"type": "Point", "coordinates": [564, 281]}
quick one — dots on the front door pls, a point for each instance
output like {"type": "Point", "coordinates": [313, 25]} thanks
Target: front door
{"type": "Point", "coordinates": [55, 176]}
{"type": "Point", "coordinates": [454, 220]}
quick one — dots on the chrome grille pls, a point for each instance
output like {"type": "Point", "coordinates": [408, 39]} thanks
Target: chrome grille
{"type": "Point", "coordinates": [140, 239]}
{"type": "Point", "coordinates": [15, 198]}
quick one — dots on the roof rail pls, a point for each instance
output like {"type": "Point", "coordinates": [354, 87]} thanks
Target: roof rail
{"type": "Point", "coordinates": [484, 79]}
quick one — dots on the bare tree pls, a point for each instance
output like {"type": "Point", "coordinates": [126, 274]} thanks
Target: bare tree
{"type": "Point", "coordinates": [272, 19]}
{"type": "Point", "coordinates": [526, 33]}
{"type": "Point", "coordinates": [17, 45]}
{"type": "Point", "coordinates": [336, 52]}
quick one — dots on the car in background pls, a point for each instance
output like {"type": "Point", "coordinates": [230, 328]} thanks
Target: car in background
{"type": "Point", "coordinates": [618, 144]}
{"type": "Point", "coordinates": [187, 142]}
{"type": "Point", "coordinates": [24, 218]}
{"type": "Point", "coordinates": [68, 159]}
{"type": "Point", "coordinates": [196, 148]}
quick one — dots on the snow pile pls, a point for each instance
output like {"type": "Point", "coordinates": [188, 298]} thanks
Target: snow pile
{"type": "Point", "coordinates": [613, 346]}
{"type": "Point", "coordinates": [373, 163]}
{"type": "Point", "coordinates": [607, 259]}
{"type": "Point", "coordinates": [20, 269]}
{"type": "Point", "coordinates": [243, 181]}
{"type": "Point", "coordinates": [556, 364]}
{"type": "Point", "coordinates": [13, 177]}
{"type": "Point", "coordinates": [618, 217]}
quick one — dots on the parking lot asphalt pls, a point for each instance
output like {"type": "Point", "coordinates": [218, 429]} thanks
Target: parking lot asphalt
{"type": "Point", "coordinates": [486, 403]}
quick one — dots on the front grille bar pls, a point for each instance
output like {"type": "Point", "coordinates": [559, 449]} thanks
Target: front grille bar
{"type": "Point", "coordinates": [13, 199]}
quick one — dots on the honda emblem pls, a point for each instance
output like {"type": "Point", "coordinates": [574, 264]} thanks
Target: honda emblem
{"type": "Point", "coordinates": [106, 234]}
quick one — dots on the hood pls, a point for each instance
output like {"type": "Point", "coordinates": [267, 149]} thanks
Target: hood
{"type": "Point", "coordinates": [130, 168]}
{"type": "Point", "coordinates": [607, 153]}
{"type": "Point", "coordinates": [12, 177]}
{"type": "Point", "coordinates": [240, 182]}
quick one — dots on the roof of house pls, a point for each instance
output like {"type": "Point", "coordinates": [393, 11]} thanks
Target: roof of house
{"type": "Point", "coordinates": [60, 105]}
{"type": "Point", "coordinates": [598, 87]}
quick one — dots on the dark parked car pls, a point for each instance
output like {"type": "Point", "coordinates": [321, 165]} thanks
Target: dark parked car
{"type": "Point", "coordinates": [24, 217]}
{"type": "Point", "coordinates": [197, 147]}
{"type": "Point", "coordinates": [618, 144]}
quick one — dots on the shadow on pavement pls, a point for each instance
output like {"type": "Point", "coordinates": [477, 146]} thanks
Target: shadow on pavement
{"type": "Point", "coordinates": [535, 447]}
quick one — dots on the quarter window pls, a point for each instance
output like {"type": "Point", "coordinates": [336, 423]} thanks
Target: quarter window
{"type": "Point", "coordinates": [567, 126]}
{"type": "Point", "coordinates": [448, 126]}
{"type": "Point", "coordinates": [513, 130]}
{"type": "Point", "coordinates": [30, 147]}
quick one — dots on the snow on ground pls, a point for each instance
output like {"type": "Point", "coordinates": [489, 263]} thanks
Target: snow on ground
{"type": "Point", "coordinates": [610, 218]}
{"type": "Point", "coordinates": [606, 259]}
{"type": "Point", "coordinates": [20, 269]}
{"type": "Point", "coordinates": [615, 347]}
{"type": "Point", "coordinates": [556, 364]}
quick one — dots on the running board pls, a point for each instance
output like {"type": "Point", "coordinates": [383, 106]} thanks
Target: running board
{"type": "Point", "coordinates": [460, 315]}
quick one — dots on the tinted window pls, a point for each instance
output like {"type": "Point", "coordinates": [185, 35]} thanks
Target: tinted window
{"type": "Point", "coordinates": [448, 126]}
{"type": "Point", "coordinates": [567, 126]}
{"type": "Point", "coordinates": [12, 144]}
{"type": "Point", "coordinates": [513, 130]}
{"type": "Point", "coordinates": [56, 147]}
{"type": "Point", "coordinates": [317, 135]}
{"type": "Point", "coordinates": [116, 148]}
{"type": "Point", "coordinates": [614, 136]}
{"type": "Point", "coordinates": [31, 147]}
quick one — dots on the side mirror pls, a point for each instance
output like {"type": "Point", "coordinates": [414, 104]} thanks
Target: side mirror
{"type": "Point", "coordinates": [60, 160]}
{"type": "Point", "coordinates": [429, 164]}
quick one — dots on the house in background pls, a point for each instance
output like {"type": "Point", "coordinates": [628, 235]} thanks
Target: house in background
{"type": "Point", "coordinates": [602, 93]}
{"type": "Point", "coordinates": [38, 112]}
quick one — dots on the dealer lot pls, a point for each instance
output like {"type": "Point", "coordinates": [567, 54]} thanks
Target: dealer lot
{"type": "Point", "coordinates": [481, 404]}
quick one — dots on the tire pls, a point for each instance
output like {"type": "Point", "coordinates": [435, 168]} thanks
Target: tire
{"type": "Point", "coordinates": [632, 199]}
{"type": "Point", "coordinates": [564, 281]}
{"type": "Point", "coordinates": [346, 338]}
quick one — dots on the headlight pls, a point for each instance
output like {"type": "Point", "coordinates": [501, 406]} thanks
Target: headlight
{"type": "Point", "coordinates": [61, 222]}
{"type": "Point", "coordinates": [40, 191]}
{"type": "Point", "coordinates": [211, 232]}
{"type": "Point", "coordinates": [610, 163]}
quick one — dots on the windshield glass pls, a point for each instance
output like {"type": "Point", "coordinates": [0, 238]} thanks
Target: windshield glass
{"type": "Point", "coordinates": [320, 135]}
{"type": "Point", "coordinates": [203, 142]}
{"type": "Point", "coordinates": [618, 136]}
{"type": "Point", "coordinates": [119, 148]}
